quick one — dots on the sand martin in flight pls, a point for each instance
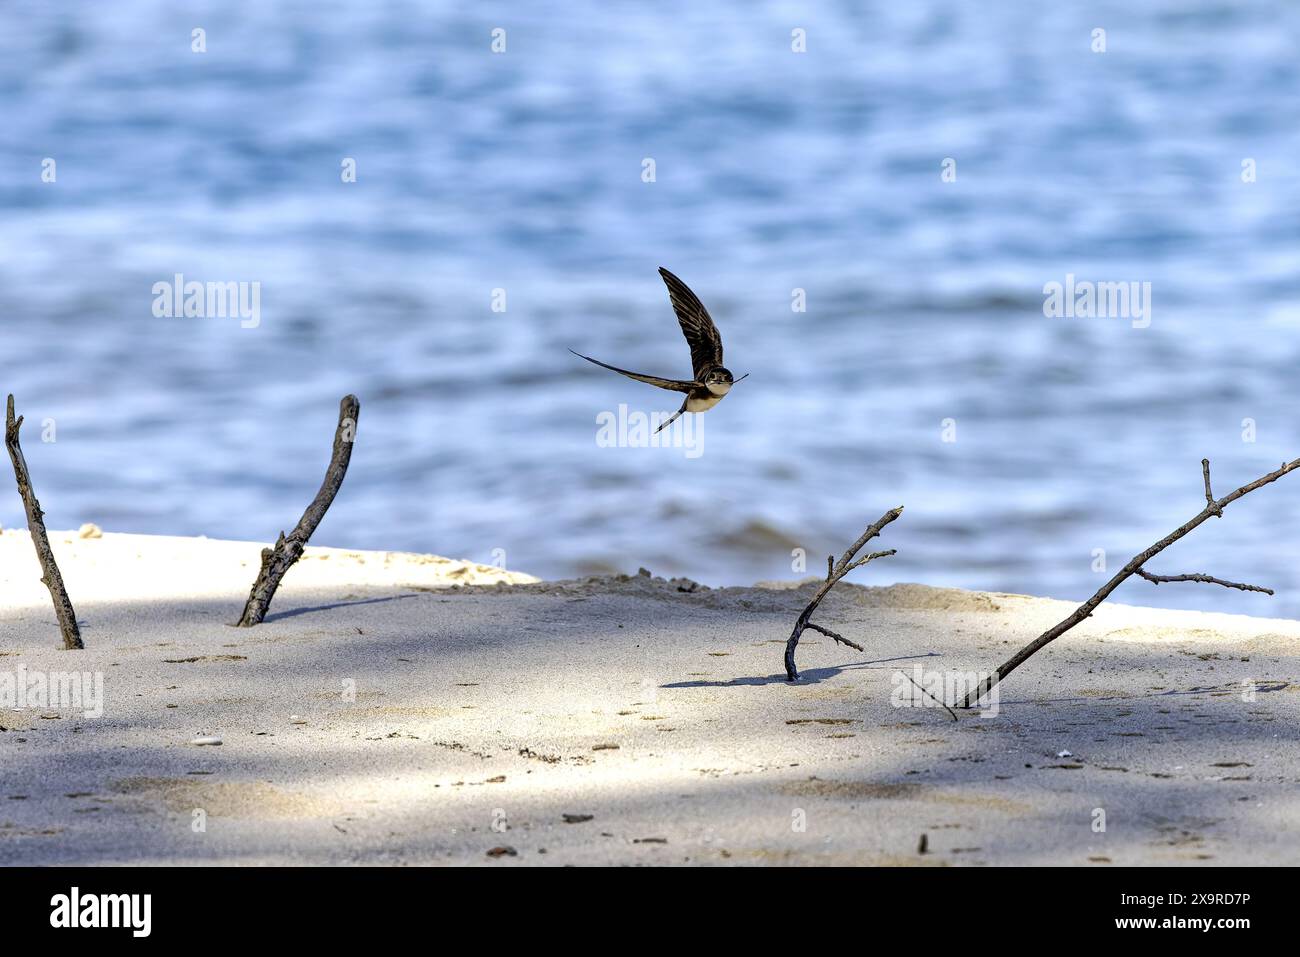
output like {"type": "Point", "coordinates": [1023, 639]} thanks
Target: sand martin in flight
{"type": "Point", "coordinates": [712, 381]}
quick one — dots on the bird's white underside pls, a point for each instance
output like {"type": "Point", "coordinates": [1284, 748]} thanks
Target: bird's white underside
{"type": "Point", "coordinates": [700, 405]}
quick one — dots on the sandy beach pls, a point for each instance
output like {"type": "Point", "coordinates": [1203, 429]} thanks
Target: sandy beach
{"type": "Point", "coordinates": [407, 709]}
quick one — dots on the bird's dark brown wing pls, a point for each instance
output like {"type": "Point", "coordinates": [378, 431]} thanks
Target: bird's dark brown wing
{"type": "Point", "coordinates": [673, 385]}
{"type": "Point", "coordinates": [698, 328]}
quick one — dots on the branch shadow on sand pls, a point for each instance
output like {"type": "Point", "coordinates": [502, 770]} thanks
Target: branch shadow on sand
{"type": "Point", "coordinates": [809, 676]}
{"type": "Point", "coordinates": [311, 609]}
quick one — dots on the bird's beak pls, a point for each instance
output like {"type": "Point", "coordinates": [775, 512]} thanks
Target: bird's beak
{"type": "Point", "coordinates": [745, 376]}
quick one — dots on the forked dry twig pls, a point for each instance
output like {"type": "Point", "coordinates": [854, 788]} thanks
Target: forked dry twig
{"type": "Point", "coordinates": [1213, 509]}
{"type": "Point", "coordinates": [834, 572]}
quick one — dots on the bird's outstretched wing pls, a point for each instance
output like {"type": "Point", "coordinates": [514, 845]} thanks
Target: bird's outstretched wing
{"type": "Point", "coordinates": [697, 326]}
{"type": "Point", "coordinates": [673, 385]}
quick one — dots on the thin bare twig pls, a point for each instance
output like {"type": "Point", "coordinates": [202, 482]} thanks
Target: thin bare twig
{"type": "Point", "coordinates": [278, 560]}
{"type": "Point", "coordinates": [1209, 495]}
{"type": "Point", "coordinates": [1213, 508]}
{"type": "Point", "coordinates": [840, 638]}
{"type": "Point", "coordinates": [834, 572]}
{"type": "Point", "coordinates": [36, 525]}
{"type": "Point", "coordinates": [939, 701]}
{"type": "Point", "coordinates": [1206, 579]}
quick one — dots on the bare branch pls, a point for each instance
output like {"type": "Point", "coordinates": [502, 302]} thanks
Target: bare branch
{"type": "Point", "coordinates": [937, 701]}
{"type": "Point", "coordinates": [50, 578]}
{"type": "Point", "coordinates": [834, 572]}
{"type": "Point", "coordinates": [862, 561]}
{"type": "Point", "coordinates": [840, 638]}
{"type": "Point", "coordinates": [1209, 496]}
{"type": "Point", "coordinates": [278, 560]}
{"type": "Point", "coordinates": [1214, 507]}
{"type": "Point", "coordinates": [1206, 579]}
{"type": "Point", "coordinates": [871, 532]}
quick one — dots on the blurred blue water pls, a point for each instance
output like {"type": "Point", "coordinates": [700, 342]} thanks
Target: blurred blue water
{"type": "Point", "coordinates": [775, 170]}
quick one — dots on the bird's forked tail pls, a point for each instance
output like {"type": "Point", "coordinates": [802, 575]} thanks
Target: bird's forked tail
{"type": "Point", "coordinates": [673, 418]}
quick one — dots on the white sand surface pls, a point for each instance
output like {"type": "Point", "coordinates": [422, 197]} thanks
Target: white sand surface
{"type": "Point", "coordinates": [408, 709]}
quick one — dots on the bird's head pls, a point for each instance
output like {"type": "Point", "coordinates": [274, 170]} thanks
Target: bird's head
{"type": "Point", "coordinates": [719, 381]}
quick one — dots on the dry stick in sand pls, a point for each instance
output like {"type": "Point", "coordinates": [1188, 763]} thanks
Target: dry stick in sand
{"type": "Point", "coordinates": [51, 579]}
{"type": "Point", "coordinates": [276, 561]}
{"type": "Point", "coordinates": [1213, 508]}
{"type": "Point", "coordinates": [834, 572]}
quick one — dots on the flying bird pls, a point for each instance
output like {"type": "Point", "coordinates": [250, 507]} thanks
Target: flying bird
{"type": "Point", "coordinates": [711, 379]}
